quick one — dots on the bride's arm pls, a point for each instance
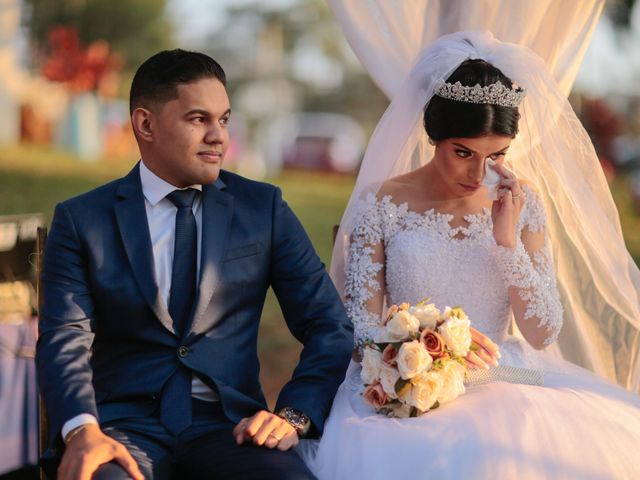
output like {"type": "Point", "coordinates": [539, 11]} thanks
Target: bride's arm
{"type": "Point", "coordinates": [529, 273]}
{"type": "Point", "coordinates": [364, 286]}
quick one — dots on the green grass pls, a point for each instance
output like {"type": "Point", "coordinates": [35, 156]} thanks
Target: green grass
{"type": "Point", "coordinates": [34, 180]}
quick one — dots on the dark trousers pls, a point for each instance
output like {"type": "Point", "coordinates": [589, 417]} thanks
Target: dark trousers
{"type": "Point", "coordinates": [205, 450]}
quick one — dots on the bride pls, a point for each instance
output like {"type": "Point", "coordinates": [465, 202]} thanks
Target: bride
{"type": "Point", "coordinates": [433, 229]}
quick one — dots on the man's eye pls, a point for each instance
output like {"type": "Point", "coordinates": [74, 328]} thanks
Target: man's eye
{"type": "Point", "coordinates": [199, 119]}
{"type": "Point", "coordinates": [224, 120]}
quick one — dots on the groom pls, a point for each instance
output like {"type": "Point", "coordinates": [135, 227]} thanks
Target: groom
{"type": "Point", "coordinates": [153, 289]}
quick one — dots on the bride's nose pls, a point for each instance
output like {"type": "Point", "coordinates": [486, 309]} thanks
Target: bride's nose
{"type": "Point", "coordinates": [476, 171]}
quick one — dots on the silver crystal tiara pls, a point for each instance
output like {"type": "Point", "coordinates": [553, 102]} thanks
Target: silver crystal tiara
{"type": "Point", "coordinates": [495, 94]}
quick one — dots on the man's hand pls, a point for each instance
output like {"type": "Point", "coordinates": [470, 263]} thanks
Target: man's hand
{"type": "Point", "coordinates": [90, 448]}
{"type": "Point", "coordinates": [484, 353]}
{"type": "Point", "coordinates": [267, 429]}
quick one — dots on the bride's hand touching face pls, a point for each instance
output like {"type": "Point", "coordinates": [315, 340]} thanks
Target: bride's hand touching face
{"type": "Point", "coordinates": [506, 210]}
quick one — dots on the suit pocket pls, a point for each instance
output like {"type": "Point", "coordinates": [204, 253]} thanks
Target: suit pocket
{"type": "Point", "coordinates": [242, 252]}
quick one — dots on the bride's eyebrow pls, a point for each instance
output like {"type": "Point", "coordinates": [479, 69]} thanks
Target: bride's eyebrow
{"type": "Point", "coordinates": [460, 145]}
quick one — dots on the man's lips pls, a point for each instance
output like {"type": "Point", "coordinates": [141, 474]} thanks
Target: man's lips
{"type": "Point", "coordinates": [211, 154]}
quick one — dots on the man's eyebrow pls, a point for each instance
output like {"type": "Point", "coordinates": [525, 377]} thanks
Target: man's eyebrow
{"type": "Point", "coordinates": [206, 113]}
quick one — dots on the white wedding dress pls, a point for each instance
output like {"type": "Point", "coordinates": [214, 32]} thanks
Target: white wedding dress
{"type": "Point", "coordinates": [547, 418]}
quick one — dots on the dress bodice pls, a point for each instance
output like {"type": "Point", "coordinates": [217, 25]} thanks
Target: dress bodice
{"type": "Point", "coordinates": [425, 257]}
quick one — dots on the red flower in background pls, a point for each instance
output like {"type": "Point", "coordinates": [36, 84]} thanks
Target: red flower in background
{"type": "Point", "coordinates": [81, 69]}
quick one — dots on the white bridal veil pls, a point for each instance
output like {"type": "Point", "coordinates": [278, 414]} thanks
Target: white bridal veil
{"type": "Point", "coordinates": [539, 44]}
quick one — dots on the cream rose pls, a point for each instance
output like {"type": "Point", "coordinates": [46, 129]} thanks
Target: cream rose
{"type": "Point", "coordinates": [452, 374]}
{"type": "Point", "coordinates": [427, 315]}
{"type": "Point", "coordinates": [371, 363]}
{"type": "Point", "coordinates": [388, 378]}
{"type": "Point", "coordinates": [456, 334]}
{"type": "Point", "coordinates": [413, 359]}
{"type": "Point", "coordinates": [401, 325]}
{"type": "Point", "coordinates": [425, 391]}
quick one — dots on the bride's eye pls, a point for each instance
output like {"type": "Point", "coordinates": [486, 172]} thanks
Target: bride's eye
{"type": "Point", "coordinates": [496, 156]}
{"type": "Point", "coordinates": [463, 153]}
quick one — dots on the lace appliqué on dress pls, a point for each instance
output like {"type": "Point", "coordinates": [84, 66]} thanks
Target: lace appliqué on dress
{"type": "Point", "coordinates": [361, 284]}
{"type": "Point", "coordinates": [533, 274]}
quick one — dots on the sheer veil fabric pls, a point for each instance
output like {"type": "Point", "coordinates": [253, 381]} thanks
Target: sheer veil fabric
{"type": "Point", "coordinates": [408, 46]}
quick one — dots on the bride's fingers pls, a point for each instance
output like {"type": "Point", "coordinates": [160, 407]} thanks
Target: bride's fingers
{"type": "Point", "coordinates": [474, 361]}
{"type": "Point", "coordinates": [503, 171]}
{"type": "Point", "coordinates": [487, 357]}
{"type": "Point", "coordinates": [485, 342]}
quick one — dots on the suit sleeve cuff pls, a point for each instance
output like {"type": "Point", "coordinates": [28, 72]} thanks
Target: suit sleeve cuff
{"type": "Point", "coordinates": [75, 422]}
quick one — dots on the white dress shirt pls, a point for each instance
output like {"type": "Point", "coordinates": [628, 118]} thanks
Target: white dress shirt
{"type": "Point", "coordinates": [161, 216]}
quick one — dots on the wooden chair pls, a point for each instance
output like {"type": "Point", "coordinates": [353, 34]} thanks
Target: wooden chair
{"type": "Point", "coordinates": [43, 430]}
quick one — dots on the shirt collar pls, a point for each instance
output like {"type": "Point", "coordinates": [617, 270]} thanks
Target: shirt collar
{"type": "Point", "coordinates": [154, 188]}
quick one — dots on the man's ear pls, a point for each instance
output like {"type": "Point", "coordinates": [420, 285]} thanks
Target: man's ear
{"type": "Point", "coordinates": [141, 122]}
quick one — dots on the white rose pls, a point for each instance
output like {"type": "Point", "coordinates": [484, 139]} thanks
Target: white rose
{"type": "Point", "coordinates": [413, 359]}
{"type": "Point", "coordinates": [427, 315]}
{"type": "Point", "coordinates": [456, 334]}
{"type": "Point", "coordinates": [371, 363]}
{"type": "Point", "coordinates": [401, 325]}
{"type": "Point", "coordinates": [425, 391]}
{"type": "Point", "coordinates": [388, 378]}
{"type": "Point", "coordinates": [452, 374]}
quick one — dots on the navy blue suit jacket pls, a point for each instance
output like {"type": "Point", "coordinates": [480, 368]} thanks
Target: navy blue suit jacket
{"type": "Point", "coordinates": [107, 343]}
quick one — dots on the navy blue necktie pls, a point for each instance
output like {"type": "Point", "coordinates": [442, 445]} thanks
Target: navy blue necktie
{"type": "Point", "coordinates": [175, 404]}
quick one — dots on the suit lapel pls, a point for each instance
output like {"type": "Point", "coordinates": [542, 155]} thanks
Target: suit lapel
{"type": "Point", "coordinates": [131, 216]}
{"type": "Point", "coordinates": [217, 213]}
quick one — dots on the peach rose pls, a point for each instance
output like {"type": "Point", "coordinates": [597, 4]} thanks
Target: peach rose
{"type": "Point", "coordinates": [390, 355]}
{"type": "Point", "coordinates": [374, 395]}
{"type": "Point", "coordinates": [433, 343]}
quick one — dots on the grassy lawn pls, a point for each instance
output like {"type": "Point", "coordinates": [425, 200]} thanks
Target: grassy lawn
{"type": "Point", "coordinates": [34, 180]}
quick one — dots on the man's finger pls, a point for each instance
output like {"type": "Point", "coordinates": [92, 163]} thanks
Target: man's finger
{"type": "Point", "coordinates": [124, 458]}
{"type": "Point", "coordinates": [269, 425]}
{"type": "Point", "coordinates": [289, 440]}
{"type": "Point", "coordinates": [254, 423]}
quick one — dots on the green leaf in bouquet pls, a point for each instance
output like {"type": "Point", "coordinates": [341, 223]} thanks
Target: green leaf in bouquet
{"type": "Point", "coordinates": [414, 412]}
{"type": "Point", "coordinates": [435, 405]}
{"type": "Point", "coordinates": [402, 386]}
{"type": "Point", "coordinates": [422, 302]}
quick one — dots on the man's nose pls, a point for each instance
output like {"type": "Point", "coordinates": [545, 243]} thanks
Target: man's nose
{"type": "Point", "coordinates": [215, 134]}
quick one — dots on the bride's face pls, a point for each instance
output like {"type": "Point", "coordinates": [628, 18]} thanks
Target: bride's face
{"type": "Point", "coordinates": [460, 162]}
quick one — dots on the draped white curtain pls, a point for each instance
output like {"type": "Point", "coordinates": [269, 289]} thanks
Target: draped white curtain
{"type": "Point", "coordinates": [539, 44]}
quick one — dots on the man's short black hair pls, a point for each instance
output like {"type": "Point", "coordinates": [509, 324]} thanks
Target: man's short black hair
{"type": "Point", "coordinates": [157, 79]}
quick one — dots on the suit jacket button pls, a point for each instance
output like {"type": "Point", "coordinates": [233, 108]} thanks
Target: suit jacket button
{"type": "Point", "coordinates": [183, 351]}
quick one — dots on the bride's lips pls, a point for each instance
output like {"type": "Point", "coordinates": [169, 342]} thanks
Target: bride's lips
{"type": "Point", "coordinates": [469, 188]}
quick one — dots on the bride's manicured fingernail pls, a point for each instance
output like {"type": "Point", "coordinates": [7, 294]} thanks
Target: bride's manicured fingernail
{"type": "Point", "coordinates": [498, 354]}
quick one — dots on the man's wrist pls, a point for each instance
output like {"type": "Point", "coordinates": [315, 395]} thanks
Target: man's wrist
{"type": "Point", "coordinates": [74, 432]}
{"type": "Point", "coordinates": [297, 419]}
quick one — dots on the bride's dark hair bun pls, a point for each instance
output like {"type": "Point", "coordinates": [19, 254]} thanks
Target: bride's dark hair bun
{"type": "Point", "coordinates": [444, 118]}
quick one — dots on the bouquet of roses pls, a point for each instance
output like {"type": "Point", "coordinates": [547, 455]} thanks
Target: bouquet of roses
{"type": "Point", "coordinates": [416, 362]}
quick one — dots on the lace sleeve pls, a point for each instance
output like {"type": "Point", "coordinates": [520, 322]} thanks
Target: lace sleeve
{"type": "Point", "coordinates": [364, 291]}
{"type": "Point", "coordinates": [529, 270]}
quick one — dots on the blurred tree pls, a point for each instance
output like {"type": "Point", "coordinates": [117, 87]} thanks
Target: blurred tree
{"type": "Point", "coordinates": [135, 30]}
{"type": "Point", "coordinates": [620, 11]}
